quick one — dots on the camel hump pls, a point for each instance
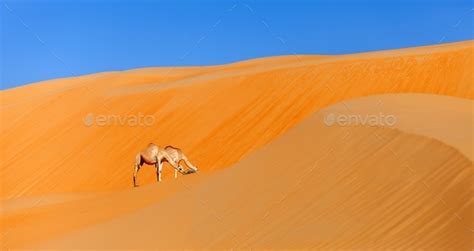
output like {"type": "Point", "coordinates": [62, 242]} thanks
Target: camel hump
{"type": "Point", "coordinates": [153, 146]}
{"type": "Point", "coordinates": [172, 147]}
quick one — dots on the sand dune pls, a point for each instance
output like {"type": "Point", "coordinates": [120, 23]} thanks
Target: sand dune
{"type": "Point", "coordinates": [217, 115]}
{"type": "Point", "coordinates": [341, 187]}
{"type": "Point", "coordinates": [317, 186]}
{"type": "Point", "coordinates": [273, 172]}
{"type": "Point", "coordinates": [446, 119]}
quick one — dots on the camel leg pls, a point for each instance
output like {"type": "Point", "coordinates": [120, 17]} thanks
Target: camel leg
{"type": "Point", "coordinates": [137, 168]}
{"type": "Point", "coordinates": [159, 168]}
{"type": "Point", "coordinates": [175, 173]}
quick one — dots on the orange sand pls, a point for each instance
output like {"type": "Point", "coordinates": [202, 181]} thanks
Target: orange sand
{"type": "Point", "coordinates": [64, 182]}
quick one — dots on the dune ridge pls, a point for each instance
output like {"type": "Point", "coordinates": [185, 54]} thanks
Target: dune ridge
{"type": "Point", "coordinates": [446, 119]}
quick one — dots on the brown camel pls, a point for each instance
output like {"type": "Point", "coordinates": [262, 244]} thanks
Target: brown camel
{"type": "Point", "coordinates": [155, 155]}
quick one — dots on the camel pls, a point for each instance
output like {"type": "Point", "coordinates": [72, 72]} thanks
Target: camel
{"type": "Point", "coordinates": [155, 155]}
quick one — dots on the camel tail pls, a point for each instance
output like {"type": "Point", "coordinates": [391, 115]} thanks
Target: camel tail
{"type": "Point", "coordinates": [138, 159]}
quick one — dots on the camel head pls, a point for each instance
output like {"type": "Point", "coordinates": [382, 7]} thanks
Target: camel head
{"type": "Point", "coordinates": [194, 169]}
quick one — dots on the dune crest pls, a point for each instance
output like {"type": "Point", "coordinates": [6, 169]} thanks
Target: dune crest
{"type": "Point", "coordinates": [447, 119]}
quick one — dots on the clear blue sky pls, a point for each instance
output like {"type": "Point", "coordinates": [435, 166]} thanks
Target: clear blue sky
{"type": "Point", "coordinates": [42, 40]}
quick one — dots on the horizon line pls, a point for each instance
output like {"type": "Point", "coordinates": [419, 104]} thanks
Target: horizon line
{"type": "Point", "coordinates": [236, 62]}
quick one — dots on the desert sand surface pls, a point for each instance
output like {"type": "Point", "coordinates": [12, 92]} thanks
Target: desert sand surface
{"type": "Point", "coordinates": [272, 173]}
{"type": "Point", "coordinates": [446, 119]}
{"type": "Point", "coordinates": [317, 186]}
{"type": "Point", "coordinates": [217, 118]}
